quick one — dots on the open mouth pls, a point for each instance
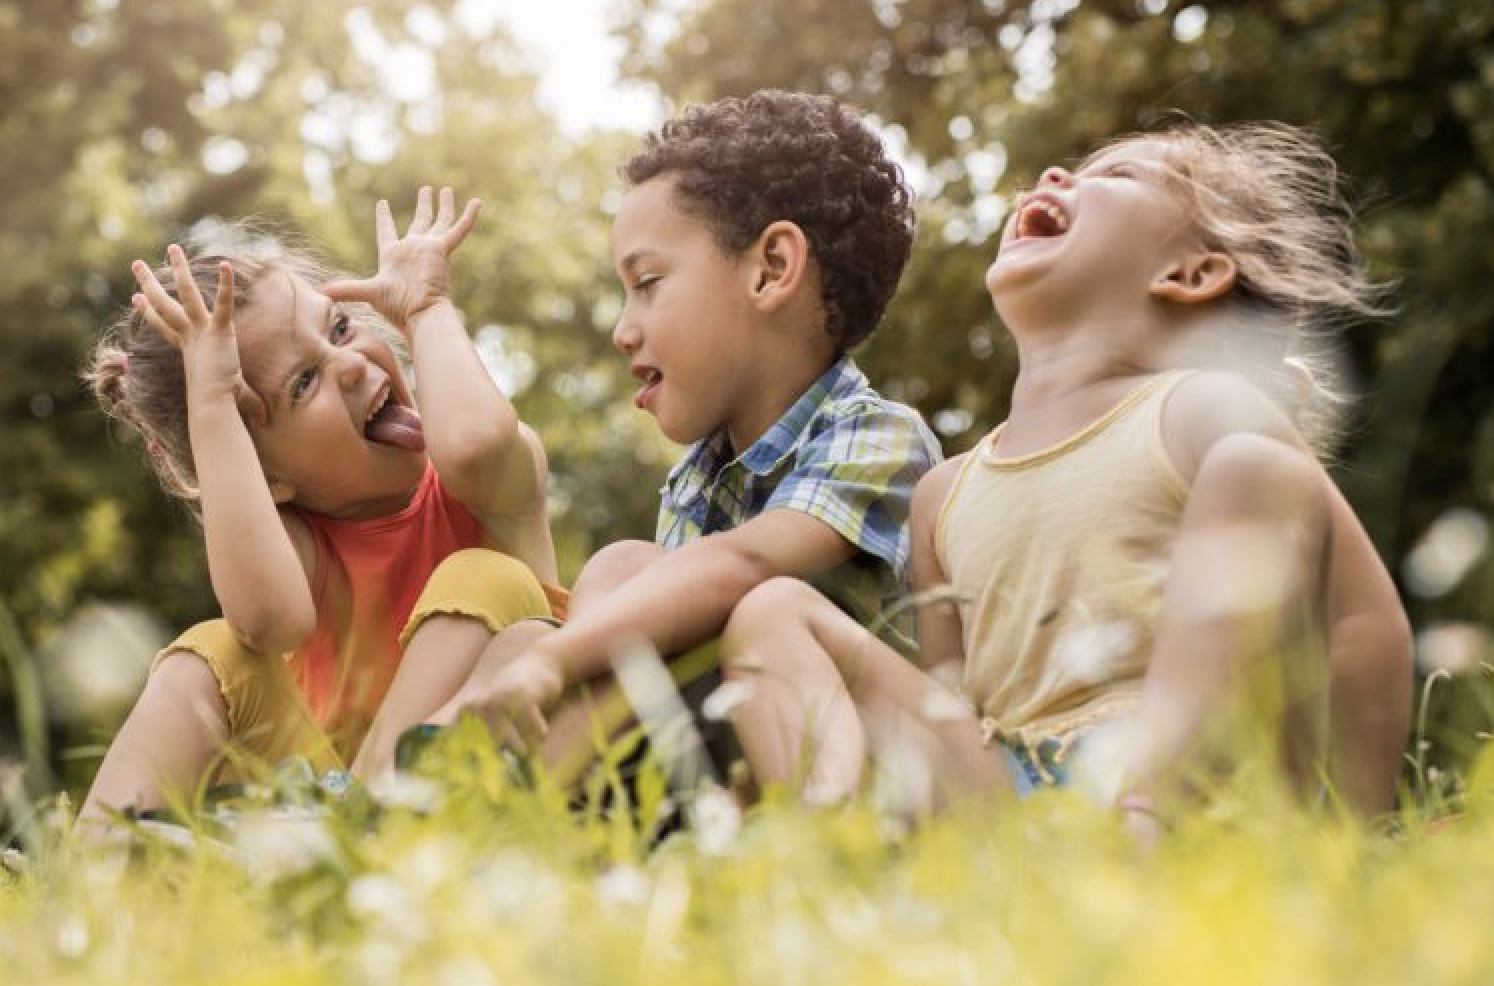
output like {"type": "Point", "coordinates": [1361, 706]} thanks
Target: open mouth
{"type": "Point", "coordinates": [1041, 218]}
{"type": "Point", "coordinates": [392, 423]}
{"type": "Point", "coordinates": [651, 379]}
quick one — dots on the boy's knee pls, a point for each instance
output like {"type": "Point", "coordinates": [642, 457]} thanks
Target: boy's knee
{"type": "Point", "coordinates": [613, 565]}
{"type": "Point", "coordinates": [774, 604]}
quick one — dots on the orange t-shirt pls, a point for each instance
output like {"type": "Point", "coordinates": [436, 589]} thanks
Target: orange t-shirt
{"type": "Point", "coordinates": [369, 575]}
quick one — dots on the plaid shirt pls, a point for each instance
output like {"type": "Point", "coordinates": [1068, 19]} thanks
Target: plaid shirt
{"type": "Point", "coordinates": [842, 454]}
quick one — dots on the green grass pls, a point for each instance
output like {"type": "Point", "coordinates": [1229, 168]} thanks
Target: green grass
{"type": "Point", "coordinates": [470, 879]}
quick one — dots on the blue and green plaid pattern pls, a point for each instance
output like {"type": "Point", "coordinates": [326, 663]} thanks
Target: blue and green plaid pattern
{"type": "Point", "coordinates": [843, 454]}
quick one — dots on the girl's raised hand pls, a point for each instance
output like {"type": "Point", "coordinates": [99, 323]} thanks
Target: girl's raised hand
{"type": "Point", "coordinates": [209, 347]}
{"type": "Point", "coordinates": [413, 270]}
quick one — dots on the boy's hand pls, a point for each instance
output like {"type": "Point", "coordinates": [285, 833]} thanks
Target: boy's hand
{"type": "Point", "coordinates": [413, 272]}
{"type": "Point", "coordinates": [513, 702]}
{"type": "Point", "coordinates": [209, 346]}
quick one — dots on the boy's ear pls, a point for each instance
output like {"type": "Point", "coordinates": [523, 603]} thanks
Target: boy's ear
{"type": "Point", "coordinates": [780, 263]}
{"type": "Point", "coordinates": [1203, 275]}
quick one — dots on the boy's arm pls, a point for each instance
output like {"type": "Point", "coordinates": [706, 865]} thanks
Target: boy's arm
{"type": "Point", "coordinates": [686, 596]}
{"type": "Point", "coordinates": [847, 492]}
{"type": "Point", "coordinates": [256, 568]}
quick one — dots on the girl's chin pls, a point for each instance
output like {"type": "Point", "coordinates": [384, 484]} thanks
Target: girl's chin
{"type": "Point", "coordinates": [1011, 274]}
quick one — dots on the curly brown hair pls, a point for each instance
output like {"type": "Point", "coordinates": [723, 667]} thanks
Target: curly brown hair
{"type": "Point", "coordinates": [741, 164]}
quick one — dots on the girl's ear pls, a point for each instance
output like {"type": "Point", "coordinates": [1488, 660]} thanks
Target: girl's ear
{"type": "Point", "coordinates": [779, 264]}
{"type": "Point", "coordinates": [1205, 275]}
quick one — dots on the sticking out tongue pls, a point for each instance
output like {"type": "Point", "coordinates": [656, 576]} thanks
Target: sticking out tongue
{"type": "Point", "coordinates": [396, 425]}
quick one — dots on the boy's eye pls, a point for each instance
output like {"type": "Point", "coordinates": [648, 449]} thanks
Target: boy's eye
{"type": "Point", "coordinates": [342, 327]}
{"type": "Point", "coordinates": [302, 383]}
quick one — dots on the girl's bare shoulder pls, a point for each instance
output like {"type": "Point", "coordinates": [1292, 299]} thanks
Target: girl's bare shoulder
{"type": "Point", "coordinates": [1208, 405]}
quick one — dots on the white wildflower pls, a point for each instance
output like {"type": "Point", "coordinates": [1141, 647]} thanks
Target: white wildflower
{"type": "Point", "coordinates": [281, 842]}
{"type": "Point", "coordinates": [1098, 764]}
{"type": "Point", "coordinates": [1090, 651]}
{"type": "Point", "coordinates": [72, 938]}
{"type": "Point", "coordinates": [1452, 647]}
{"type": "Point", "coordinates": [943, 705]}
{"type": "Point", "coordinates": [379, 961]}
{"type": "Point", "coordinates": [430, 864]}
{"type": "Point", "coordinates": [1446, 552]}
{"type": "Point", "coordinates": [729, 695]}
{"type": "Point", "coordinates": [513, 884]}
{"type": "Point", "coordinates": [385, 904]}
{"type": "Point", "coordinates": [465, 970]}
{"type": "Point", "coordinates": [718, 819]}
{"type": "Point", "coordinates": [624, 885]}
{"type": "Point", "coordinates": [402, 789]}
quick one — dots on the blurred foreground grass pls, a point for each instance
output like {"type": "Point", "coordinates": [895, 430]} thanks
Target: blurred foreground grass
{"type": "Point", "coordinates": [464, 878]}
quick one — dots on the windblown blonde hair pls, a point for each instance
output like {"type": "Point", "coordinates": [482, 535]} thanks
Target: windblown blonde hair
{"type": "Point", "coordinates": [1270, 196]}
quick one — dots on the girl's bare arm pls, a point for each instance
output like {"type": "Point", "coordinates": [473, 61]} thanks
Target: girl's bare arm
{"type": "Point", "coordinates": [258, 575]}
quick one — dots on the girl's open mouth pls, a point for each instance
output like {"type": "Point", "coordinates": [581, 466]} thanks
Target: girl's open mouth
{"type": "Point", "coordinates": [1041, 218]}
{"type": "Point", "coordinates": [392, 423]}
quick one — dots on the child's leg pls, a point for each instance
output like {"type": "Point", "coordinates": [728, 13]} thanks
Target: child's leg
{"type": "Point", "coordinates": [609, 568]}
{"type": "Point", "coordinates": [824, 694]}
{"type": "Point", "coordinates": [1242, 612]}
{"type": "Point", "coordinates": [570, 726]}
{"type": "Point", "coordinates": [599, 705]}
{"type": "Point", "coordinates": [170, 741]}
{"type": "Point", "coordinates": [472, 598]}
{"type": "Point", "coordinates": [207, 699]}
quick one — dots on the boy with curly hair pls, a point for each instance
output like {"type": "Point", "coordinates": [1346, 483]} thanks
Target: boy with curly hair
{"type": "Point", "coordinates": [759, 242]}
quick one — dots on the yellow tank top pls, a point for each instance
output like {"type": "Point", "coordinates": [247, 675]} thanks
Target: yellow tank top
{"type": "Point", "coordinates": [1058, 560]}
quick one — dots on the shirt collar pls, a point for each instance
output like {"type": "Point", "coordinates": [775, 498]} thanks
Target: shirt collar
{"type": "Point", "coordinates": [707, 457]}
{"type": "Point", "coordinates": [785, 435]}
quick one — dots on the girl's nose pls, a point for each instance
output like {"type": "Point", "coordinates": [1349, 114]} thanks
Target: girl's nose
{"type": "Point", "coordinates": [351, 366]}
{"type": "Point", "coordinates": [625, 335]}
{"type": "Point", "coordinates": [1054, 175]}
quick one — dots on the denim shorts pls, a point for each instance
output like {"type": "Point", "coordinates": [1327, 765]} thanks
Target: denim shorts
{"type": "Point", "coordinates": [1035, 766]}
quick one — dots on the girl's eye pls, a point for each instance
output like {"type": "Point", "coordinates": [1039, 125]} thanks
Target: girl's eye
{"type": "Point", "coordinates": [644, 284]}
{"type": "Point", "coordinates": [342, 327]}
{"type": "Point", "coordinates": [301, 384]}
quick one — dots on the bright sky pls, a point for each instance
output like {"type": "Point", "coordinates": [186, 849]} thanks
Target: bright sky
{"type": "Point", "coordinates": [569, 40]}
